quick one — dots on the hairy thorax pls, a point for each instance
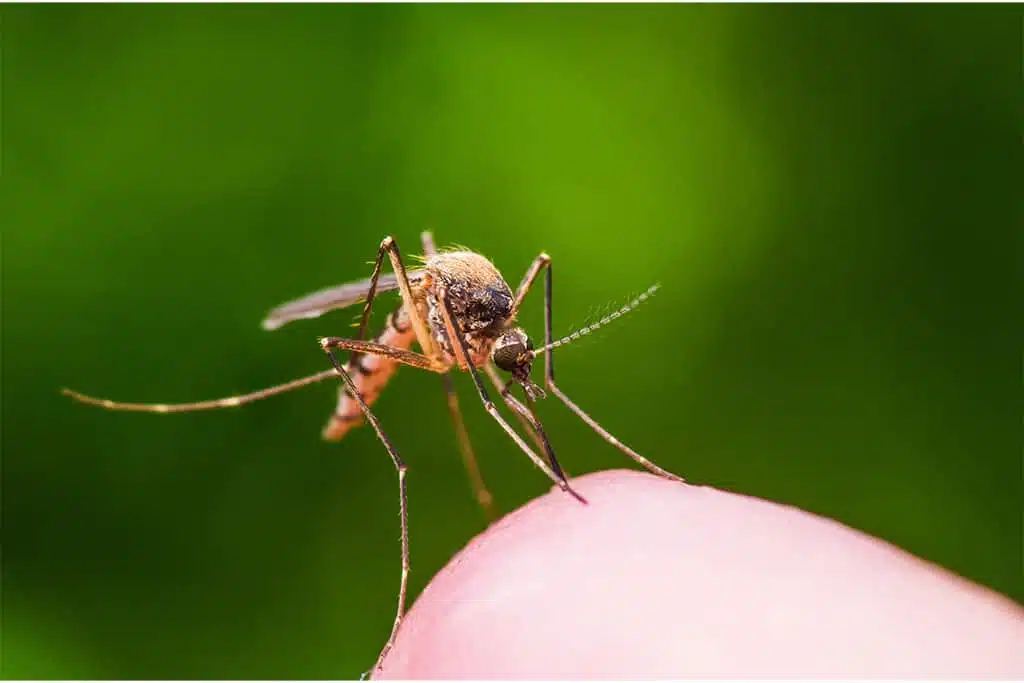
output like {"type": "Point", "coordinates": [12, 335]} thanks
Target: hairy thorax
{"type": "Point", "coordinates": [480, 299]}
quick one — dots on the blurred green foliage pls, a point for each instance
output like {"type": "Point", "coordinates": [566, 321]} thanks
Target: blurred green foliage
{"type": "Point", "coordinates": [828, 195]}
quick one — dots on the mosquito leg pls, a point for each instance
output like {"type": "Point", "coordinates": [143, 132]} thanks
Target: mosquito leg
{"type": "Point", "coordinates": [227, 402]}
{"type": "Point", "coordinates": [346, 414]}
{"type": "Point", "coordinates": [336, 428]}
{"type": "Point", "coordinates": [370, 294]}
{"type": "Point", "coordinates": [462, 353]}
{"type": "Point", "coordinates": [403, 501]}
{"type": "Point", "coordinates": [549, 372]}
{"type": "Point", "coordinates": [534, 427]}
{"type": "Point", "coordinates": [337, 417]}
{"type": "Point", "coordinates": [539, 263]}
{"type": "Point", "coordinates": [502, 388]}
{"type": "Point", "coordinates": [419, 325]}
{"type": "Point", "coordinates": [476, 480]}
{"type": "Point", "coordinates": [531, 406]}
{"type": "Point", "coordinates": [404, 356]}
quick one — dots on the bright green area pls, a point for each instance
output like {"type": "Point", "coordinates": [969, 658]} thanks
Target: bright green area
{"type": "Point", "coordinates": [825, 193]}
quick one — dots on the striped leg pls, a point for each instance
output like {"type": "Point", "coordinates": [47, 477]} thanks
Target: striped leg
{"type": "Point", "coordinates": [403, 502]}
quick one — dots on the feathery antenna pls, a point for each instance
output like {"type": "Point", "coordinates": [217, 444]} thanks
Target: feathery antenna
{"type": "Point", "coordinates": [603, 321]}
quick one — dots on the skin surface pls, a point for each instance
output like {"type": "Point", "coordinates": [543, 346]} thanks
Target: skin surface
{"type": "Point", "coordinates": [656, 580]}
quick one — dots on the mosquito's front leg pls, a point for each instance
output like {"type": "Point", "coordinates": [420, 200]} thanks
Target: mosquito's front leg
{"type": "Point", "coordinates": [544, 261]}
{"type": "Point", "coordinates": [463, 357]}
{"type": "Point", "coordinates": [504, 389]}
{"type": "Point", "coordinates": [533, 426]}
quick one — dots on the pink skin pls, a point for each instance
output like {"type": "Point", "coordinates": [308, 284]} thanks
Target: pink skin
{"type": "Point", "coordinates": [656, 580]}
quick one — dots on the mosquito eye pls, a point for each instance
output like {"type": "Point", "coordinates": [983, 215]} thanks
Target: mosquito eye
{"type": "Point", "coordinates": [506, 356]}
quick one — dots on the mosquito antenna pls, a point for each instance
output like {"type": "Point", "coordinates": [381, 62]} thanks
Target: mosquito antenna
{"type": "Point", "coordinates": [603, 321]}
{"type": "Point", "coordinates": [228, 402]}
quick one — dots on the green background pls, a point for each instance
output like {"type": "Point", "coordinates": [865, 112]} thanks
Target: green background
{"type": "Point", "coordinates": [825, 194]}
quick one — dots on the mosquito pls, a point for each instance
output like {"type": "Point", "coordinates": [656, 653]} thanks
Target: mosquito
{"type": "Point", "coordinates": [461, 313]}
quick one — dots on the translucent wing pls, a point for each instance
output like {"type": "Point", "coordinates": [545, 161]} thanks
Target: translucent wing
{"type": "Point", "coordinates": [342, 296]}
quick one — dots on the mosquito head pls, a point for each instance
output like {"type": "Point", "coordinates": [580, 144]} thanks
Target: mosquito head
{"type": "Point", "coordinates": [513, 353]}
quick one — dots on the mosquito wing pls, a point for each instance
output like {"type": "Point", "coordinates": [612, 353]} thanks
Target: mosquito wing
{"type": "Point", "coordinates": [341, 296]}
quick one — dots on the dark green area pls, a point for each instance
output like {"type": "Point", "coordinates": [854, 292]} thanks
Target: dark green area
{"type": "Point", "coordinates": [825, 193]}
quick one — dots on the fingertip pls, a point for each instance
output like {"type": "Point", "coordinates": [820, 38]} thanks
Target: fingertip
{"type": "Point", "coordinates": [656, 579]}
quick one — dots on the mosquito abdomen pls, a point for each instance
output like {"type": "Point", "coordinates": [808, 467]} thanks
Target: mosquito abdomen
{"type": "Point", "coordinates": [370, 373]}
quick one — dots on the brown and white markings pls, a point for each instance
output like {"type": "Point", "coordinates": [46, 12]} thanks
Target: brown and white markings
{"type": "Point", "coordinates": [461, 313]}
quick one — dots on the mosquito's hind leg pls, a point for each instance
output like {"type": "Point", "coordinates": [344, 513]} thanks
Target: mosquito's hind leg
{"type": "Point", "coordinates": [462, 353]}
{"type": "Point", "coordinates": [195, 406]}
{"type": "Point", "coordinates": [544, 261]}
{"type": "Point", "coordinates": [403, 503]}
